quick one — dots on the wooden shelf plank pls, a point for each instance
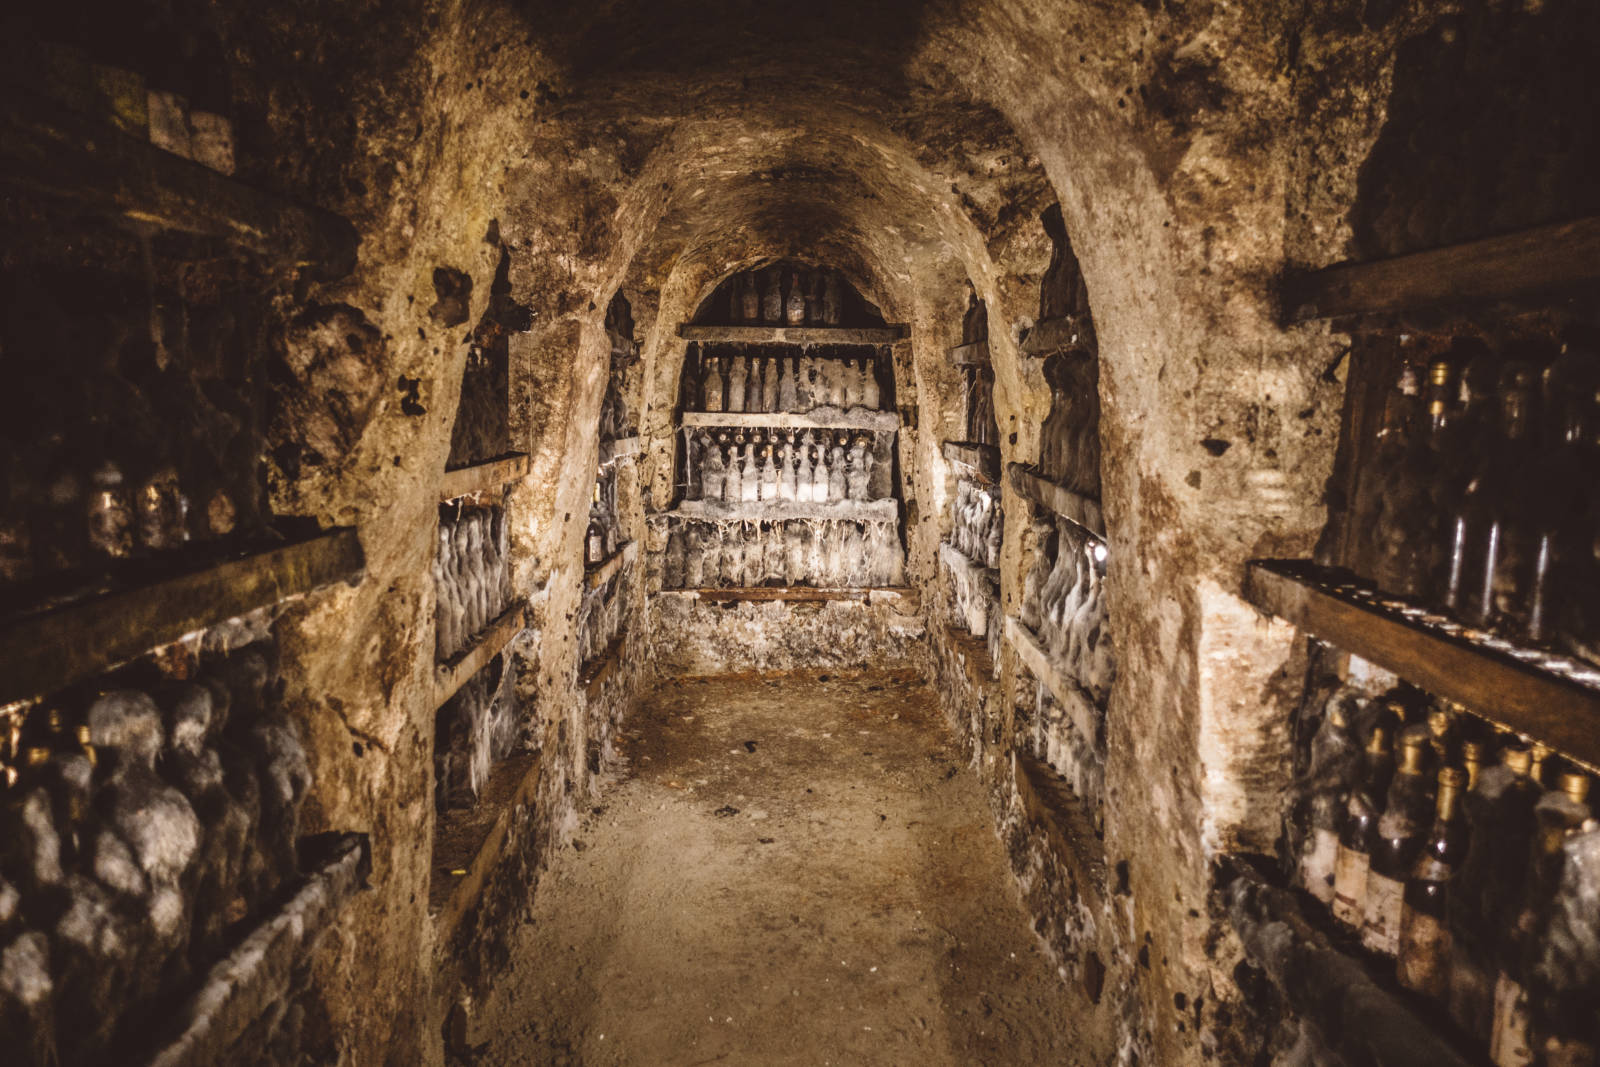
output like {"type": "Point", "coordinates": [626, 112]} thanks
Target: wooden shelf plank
{"type": "Point", "coordinates": [598, 575]}
{"type": "Point", "coordinates": [1049, 336]}
{"type": "Point", "coordinates": [42, 653]}
{"type": "Point", "coordinates": [454, 673]}
{"type": "Point", "coordinates": [983, 459]}
{"type": "Point", "coordinates": [1553, 699]}
{"type": "Point", "coordinates": [1050, 804]}
{"type": "Point", "coordinates": [1510, 265]}
{"type": "Point", "coordinates": [471, 842]}
{"type": "Point", "coordinates": [1365, 1018]}
{"type": "Point", "coordinates": [797, 593]}
{"type": "Point", "coordinates": [971, 354]}
{"type": "Point", "coordinates": [50, 151]}
{"type": "Point", "coordinates": [886, 510]}
{"type": "Point", "coordinates": [820, 419]}
{"type": "Point", "coordinates": [957, 560]}
{"type": "Point", "coordinates": [1075, 507]}
{"type": "Point", "coordinates": [796, 335]}
{"type": "Point", "coordinates": [257, 974]}
{"type": "Point", "coordinates": [488, 477]}
{"type": "Point", "coordinates": [594, 674]}
{"type": "Point", "coordinates": [1073, 698]}
{"type": "Point", "coordinates": [621, 448]}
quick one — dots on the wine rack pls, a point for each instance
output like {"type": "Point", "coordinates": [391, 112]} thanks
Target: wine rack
{"type": "Point", "coordinates": [1550, 698]}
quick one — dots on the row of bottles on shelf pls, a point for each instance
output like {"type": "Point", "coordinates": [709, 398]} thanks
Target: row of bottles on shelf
{"type": "Point", "coordinates": [1051, 733]}
{"type": "Point", "coordinates": [823, 553]}
{"type": "Point", "coordinates": [786, 296]}
{"type": "Point", "coordinates": [975, 602]}
{"type": "Point", "coordinates": [138, 827]}
{"type": "Point", "coordinates": [978, 524]}
{"type": "Point", "coordinates": [809, 467]}
{"type": "Point", "coordinates": [1482, 497]}
{"type": "Point", "coordinates": [601, 615]}
{"type": "Point", "coordinates": [471, 575]}
{"type": "Point", "coordinates": [1069, 438]}
{"type": "Point", "coordinates": [977, 393]}
{"type": "Point", "coordinates": [603, 536]}
{"type": "Point", "coordinates": [111, 518]}
{"type": "Point", "coordinates": [474, 730]}
{"type": "Point", "coordinates": [785, 384]}
{"type": "Point", "coordinates": [1471, 859]}
{"type": "Point", "coordinates": [1063, 604]}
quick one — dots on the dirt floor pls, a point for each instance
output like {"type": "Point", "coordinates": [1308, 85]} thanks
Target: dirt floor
{"type": "Point", "coordinates": [796, 869]}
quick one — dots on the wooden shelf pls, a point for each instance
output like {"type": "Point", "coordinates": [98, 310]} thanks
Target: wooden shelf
{"type": "Point", "coordinates": [621, 448]}
{"type": "Point", "coordinates": [51, 152]}
{"type": "Point", "coordinates": [49, 650]}
{"type": "Point", "coordinates": [488, 477]}
{"type": "Point", "coordinates": [957, 560]}
{"type": "Point", "coordinates": [467, 844]}
{"type": "Point", "coordinates": [240, 988]}
{"type": "Point", "coordinates": [982, 459]}
{"type": "Point", "coordinates": [455, 672]}
{"type": "Point", "coordinates": [601, 573]}
{"type": "Point", "coordinates": [973, 652]}
{"type": "Point", "coordinates": [1075, 507]}
{"type": "Point", "coordinates": [1364, 1016]}
{"type": "Point", "coordinates": [594, 674]}
{"type": "Point", "coordinates": [1049, 336]}
{"type": "Point", "coordinates": [971, 354]}
{"type": "Point", "coordinates": [1550, 698]}
{"type": "Point", "coordinates": [822, 419]}
{"type": "Point", "coordinates": [796, 335]}
{"type": "Point", "coordinates": [1510, 265]}
{"type": "Point", "coordinates": [1073, 698]}
{"type": "Point", "coordinates": [1050, 804]}
{"type": "Point", "coordinates": [800, 594]}
{"type": "Point", "coordinates": [885, 510]}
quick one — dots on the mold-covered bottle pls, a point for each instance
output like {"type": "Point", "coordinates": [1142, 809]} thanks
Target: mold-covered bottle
{"type": "Point", "coordinates": [1423, 959]}
{"type": "Point", "coordinates": [1360, 827]}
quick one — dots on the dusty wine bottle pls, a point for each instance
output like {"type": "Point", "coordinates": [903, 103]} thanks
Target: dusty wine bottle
{"type": "Point", "coordinates": [1334, 766]}
{"type": "Point", "coordinates": [1360, 826]}
{"type": "Point", "coordinates": [1424, 950]}
{"type": "Point", "coordinates": [1395, 846]}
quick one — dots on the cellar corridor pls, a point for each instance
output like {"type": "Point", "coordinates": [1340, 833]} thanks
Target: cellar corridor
{"type": "Point", "coordinates": [536, 532]}
{"type": "Point", "coordinates": [792, 870]}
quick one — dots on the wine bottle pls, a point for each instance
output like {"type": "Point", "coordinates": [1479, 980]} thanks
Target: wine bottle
{"type": "Point", "coordinates": [1562, 544]}
{"type": "Point", "coordinates": [1333, 770]}
{"type": "Point", "coordinates": [1360, 827]}
{"type": "Point", "coordinates": [1424, 949]}
{"type": "Point", "coordinates": [1558, 813]}
{"type": "Point", "coordinates": [1564, 978]}
{"type": "Point", "coordinates": [594, 538]}
{"type": "Point", "coordinates": [1503, 589]}
{"type": "Point", "coordinates": [1382, 535]}
{"type": "Point", "coordinates": [1469, 437]}
{"type": "Point", "coordinates": [1395, 845]}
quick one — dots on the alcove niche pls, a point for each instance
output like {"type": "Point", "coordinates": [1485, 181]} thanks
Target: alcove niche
{"type": "Point", "coordinates": [783, 544]}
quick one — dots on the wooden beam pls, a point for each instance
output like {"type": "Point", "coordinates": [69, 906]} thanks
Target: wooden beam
{"type": "Point", "coordinates": [489, 476]}
{"type": "Point", "coordinates": [1050, 804]}
{"type": "Point", "coordinates": [257, 975]}
{"type": "Point", "coordinates": [51, 152]}
{"type": "Point", "coordinates": [45, 652]}
{"type": "Point", "coordinates": [594, 674]}
{"type": "Point", "coordinates": [795, 335]}
{"type": "Point", "coordinates": [1553, 699]}
{"type": "Point", "coordinates": [468, 844]}
{"type": "Point", "coordinates": [455, 672]}
{"type": "Point", "coordinates": [796, 594]}
{"type": "Point", "coordinates": [1083, 510]}
{"type": "Point", "coordinates": [886, 510]}
{"type": "Point", "coordinates": [971, 354]}
{"type": "Point", "coordinates": [854, 419]}
{"type": "Point", "coordinates": [598, 575]}
{"type": "Point", "coordinates": [1073, 698]}
{"type": "Point", "coordinates": [983, 460]}
{"type": "Point", "coordinates": [1366, 1022]}
{"type": "Point", "coordinates": [1493, 268]}
{"type": "Point", "coordinates": [621, 448]}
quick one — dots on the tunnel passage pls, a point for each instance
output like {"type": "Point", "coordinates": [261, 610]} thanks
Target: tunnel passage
{"type": "Point", "coordinates": [349, 506]}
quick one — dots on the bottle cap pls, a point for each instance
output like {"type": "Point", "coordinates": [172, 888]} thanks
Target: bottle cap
{"type": "Point", "coordinates": [1452, 777]}
{"type": "Point", "coordinates": [1378, 741]}
{"type": "Point", "coordinates": [1439, 372]}
{"type": "Point", "coordinates": [1335, 714]}
{"type": "Point", "coordinates": [1440, 720]}
{"type": "Point", "coordinates": [1473, 751]}
{"type": "Point", "coordinates": [36, 755]}
{"type": "Point", "coordinates": [1518, 760]}
{"type": "Point", "coordinates": [1575, 786]}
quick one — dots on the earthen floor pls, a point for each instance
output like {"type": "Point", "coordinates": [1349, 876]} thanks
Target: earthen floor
{"type": "Point", "coordinates": [793, 869]}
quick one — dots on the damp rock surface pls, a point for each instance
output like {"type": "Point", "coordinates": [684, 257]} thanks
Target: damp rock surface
{"type": "Point", "coordinates": [793, 869]}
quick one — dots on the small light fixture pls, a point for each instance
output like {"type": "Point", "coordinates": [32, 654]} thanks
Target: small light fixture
{"type": "Point", "coordinates": [1099, 552]}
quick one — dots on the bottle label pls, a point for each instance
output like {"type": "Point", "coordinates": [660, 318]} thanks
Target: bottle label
{"type": "Point", "coordinates": [1320, 860]}
{"type": "Point", "coordinates": [1508, 1043]}
{"type": "Point", "coordinates": [1424, 954]}
{"type": "Point", "coordinates": [1350, 886]}
{"type": "Point", "coordinates": [1380, 926]}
